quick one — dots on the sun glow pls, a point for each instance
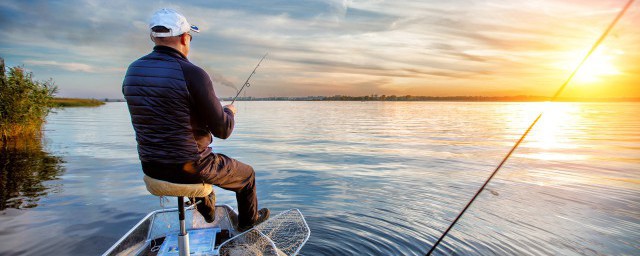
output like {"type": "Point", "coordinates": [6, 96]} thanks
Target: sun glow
{"type": "Point", "coordinates": [599, 65]}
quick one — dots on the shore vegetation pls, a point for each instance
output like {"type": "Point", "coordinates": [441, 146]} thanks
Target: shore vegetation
{"type": "Point", "coordinates": [24, 102]}
{"type": "Point", "coordinates": [76, 102]}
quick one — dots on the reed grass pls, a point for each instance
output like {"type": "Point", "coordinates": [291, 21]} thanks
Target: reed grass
{"type": "Point", "coordinates": [24, 103]}
{"type": "Point", "coordinates": [76, 102]}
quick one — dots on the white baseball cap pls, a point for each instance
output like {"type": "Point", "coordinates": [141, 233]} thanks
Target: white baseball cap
{"type": "Point", "coordinates": [171, 19]}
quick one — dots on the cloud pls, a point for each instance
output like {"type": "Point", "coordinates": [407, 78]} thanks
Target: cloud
{"type": "Point", "coordinates": [71, 66]}
{"type": "Point", "coordinates": [74, 66]}
{"type": "Point", "coordinates": [391, 46]}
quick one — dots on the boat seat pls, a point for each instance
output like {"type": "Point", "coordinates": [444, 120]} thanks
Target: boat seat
{"type": "Point", "coordinates": [164, 188]}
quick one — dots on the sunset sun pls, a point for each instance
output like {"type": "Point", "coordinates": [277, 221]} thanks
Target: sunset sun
{"type": "Point", "coordinates": [598, 67]}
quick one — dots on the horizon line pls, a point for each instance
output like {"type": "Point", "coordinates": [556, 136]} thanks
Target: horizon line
{"type": "Point", "coordinates": [374, 97]}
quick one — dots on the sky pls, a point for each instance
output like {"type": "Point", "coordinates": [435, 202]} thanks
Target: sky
{"type": "Point", "coordinates": [325, 48]}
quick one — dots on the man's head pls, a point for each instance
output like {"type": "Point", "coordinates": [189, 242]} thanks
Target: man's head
{"type": "Point", "coordinates": [170, 28]}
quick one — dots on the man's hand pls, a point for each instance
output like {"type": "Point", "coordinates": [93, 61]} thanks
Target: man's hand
{"type": "Point", "coordinates": [232, 108]}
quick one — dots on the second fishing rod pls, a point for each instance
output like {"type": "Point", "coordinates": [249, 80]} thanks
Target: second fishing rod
{"type": "Point", "coordinates": [524, 135]}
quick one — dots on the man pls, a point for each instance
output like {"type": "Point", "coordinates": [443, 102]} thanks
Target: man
{"type": "Point", "coordinates": [175, 112]}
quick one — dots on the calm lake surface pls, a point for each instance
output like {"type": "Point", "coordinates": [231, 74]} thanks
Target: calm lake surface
{"type": "Point", "coordinates": [371, 178]}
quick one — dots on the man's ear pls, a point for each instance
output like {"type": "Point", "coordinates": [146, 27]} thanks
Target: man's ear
{"type": "Point", "coordinates": [152, 38]}
{"type": "Point", "coordinates": [184, 39]}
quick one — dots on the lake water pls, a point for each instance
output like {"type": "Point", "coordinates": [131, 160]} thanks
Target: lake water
{"type": "Point", "coordinates": [371, 178]}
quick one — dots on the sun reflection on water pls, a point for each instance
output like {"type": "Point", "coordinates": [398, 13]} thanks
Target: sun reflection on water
{"type": "Point", "coordinates": [554, 153]}
{"type": "Point", "coordinates": [552, 137]}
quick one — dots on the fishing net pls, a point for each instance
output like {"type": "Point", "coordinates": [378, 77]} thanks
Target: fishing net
{"type": "Point", "coordinates": [283, 234]}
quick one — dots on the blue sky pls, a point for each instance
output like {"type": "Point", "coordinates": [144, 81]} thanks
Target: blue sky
{"type": "Point", "coordinates": [439, 48]}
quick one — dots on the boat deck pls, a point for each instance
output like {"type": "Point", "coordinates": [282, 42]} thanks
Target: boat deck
{"type": "Point", "coordinates": [149, 235]}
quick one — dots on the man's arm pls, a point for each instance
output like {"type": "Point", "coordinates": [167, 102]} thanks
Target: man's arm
{"type": "Point", "coordinates": [219, 120]}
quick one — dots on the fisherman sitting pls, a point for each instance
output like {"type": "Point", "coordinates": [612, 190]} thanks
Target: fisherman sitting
{"type": "Point", "coordinates": [175, 113]}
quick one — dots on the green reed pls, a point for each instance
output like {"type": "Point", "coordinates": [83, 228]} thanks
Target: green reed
{"type": "Point", "coordinates": [76, 102]}
{"type": "Point", "coordinates": [24, 103]}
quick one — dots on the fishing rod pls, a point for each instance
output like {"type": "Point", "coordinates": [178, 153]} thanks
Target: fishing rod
{"type": "Point", "coordinates": [555, 96]}
{"type": "Point", "coordinates": [246, 83]}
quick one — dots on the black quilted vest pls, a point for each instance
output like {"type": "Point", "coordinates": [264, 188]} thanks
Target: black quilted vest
{"type": "Point", "coordinates": [159, 103]}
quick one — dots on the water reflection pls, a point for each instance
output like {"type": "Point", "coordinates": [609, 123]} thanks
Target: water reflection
{"type": "Point", "coordinates": [25, 169]}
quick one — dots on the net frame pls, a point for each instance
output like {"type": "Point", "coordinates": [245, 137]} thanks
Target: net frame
{"type": "Point", "coordinates": [283, 234]}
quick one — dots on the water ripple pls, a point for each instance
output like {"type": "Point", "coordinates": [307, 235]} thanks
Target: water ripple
{"type": "Point", "coordinates": [374, 178]}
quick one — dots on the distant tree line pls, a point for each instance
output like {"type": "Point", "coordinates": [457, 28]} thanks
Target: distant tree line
{"type": "Point", "coordinates": [374, 97]}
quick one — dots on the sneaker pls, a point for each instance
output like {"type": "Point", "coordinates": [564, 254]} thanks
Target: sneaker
{"type": "Point", "coordinates": [263, 214]}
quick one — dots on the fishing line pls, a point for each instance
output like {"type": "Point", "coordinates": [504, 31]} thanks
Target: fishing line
{"type": "Point", "coordinates": [555, 96]}
{"type": "Point", "coordinates": [246, 83]}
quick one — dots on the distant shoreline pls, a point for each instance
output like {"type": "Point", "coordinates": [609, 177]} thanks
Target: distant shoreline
{"type": "Point", "coordinates": [433, 98]}
{"type": "Point", "coordinates": [76, 102]}
{"type": "Point", "coordinates": [421, 98]}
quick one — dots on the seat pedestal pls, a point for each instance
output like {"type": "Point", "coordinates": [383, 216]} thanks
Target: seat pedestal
{"type": "Point", "coordinates": [183, 237]}
{"type": "Point", "coordinates": [164, 188]}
